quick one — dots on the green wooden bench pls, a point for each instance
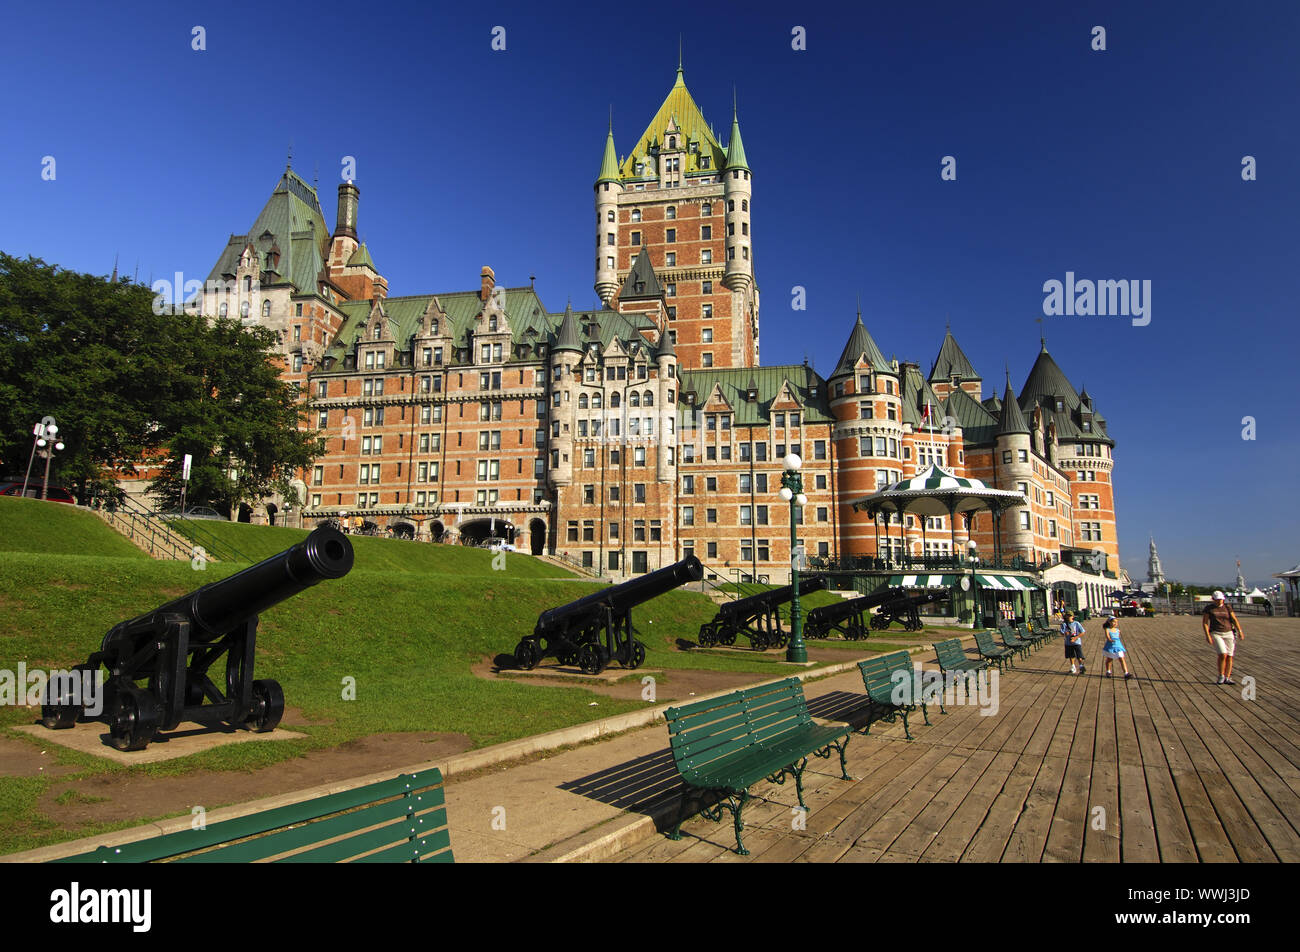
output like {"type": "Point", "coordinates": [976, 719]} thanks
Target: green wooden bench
{"type": "Point", "coordinates": [1044, 627]}
{"type": "Point", "coordinates": [394, 821]}
{"type": "Point", "coordinates": [891, 685]}
{"type": "Point", "coordinates": [987, 649]}
{"type": "Point", "coordinates": [723, 746]}
{"type": "Point", "coordinates": [1033, 636]}
{"type": "Point", "coordinates": [1012, 641]}
{"type": "Point", "coordinates": [952, 658]}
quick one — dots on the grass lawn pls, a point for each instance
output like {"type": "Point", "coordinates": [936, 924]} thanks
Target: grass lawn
{"type": "Point", "coordinates": [407, 624]}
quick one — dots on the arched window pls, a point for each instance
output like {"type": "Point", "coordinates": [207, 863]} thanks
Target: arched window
{"type": "Point", "coordinates": [648, 400]}
{"type": "Point", "coordinates": [225, 308]}
{"type": "Point", "coordinates": [266, 308]}
{"type": "Point", "coordinates": [613, 399]}
{"type": "Point", "coordinates": [582, 401]}
{"type": "Point", "coordinates": [248, 283]}
{"type": "Point", "coordinates": [243, 309]}
{"type": "Point", "coordinates": [433, 327]}
{"type": "Point", "coordinates": [634, 399]}
{"type": "Point", "coordinates": [595, 401]}
{"type": "Point", "coordinates": [636, 214]}
{"type": "Point", "coordinates": [609, 215]}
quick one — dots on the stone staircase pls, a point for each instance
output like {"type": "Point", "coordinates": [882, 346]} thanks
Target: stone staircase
{"type": "Point", "coordinates": [149, 535]}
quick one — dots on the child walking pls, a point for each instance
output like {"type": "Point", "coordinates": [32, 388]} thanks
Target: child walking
{"type": "Point", "coordinates": [1114, 648]}
{"type": "Point", "coordinates": [1072, 635]}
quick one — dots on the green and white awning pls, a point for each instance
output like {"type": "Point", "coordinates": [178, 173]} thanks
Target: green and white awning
{"type": "Point", "coordinates": [1008, 583]}
{"type": "Point", "coordinates": [922, 581]}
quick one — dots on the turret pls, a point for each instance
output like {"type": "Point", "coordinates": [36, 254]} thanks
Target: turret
{"type": "Point", "coordinates": [564, 355]}
{"type": "Point", "coordinates": [608, 190]}
{"type": "Point", "coordinates": [737, 191]}
{"type": "Point", "coordinates": [1013, 458]}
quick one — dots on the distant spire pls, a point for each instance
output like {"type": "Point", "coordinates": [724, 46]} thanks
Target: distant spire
{"type": "Point", "coordinates": [288, 162]}
{"type": "Point", "coordinates": [113, 279]}
{"type": "Point", "coordinates": [859, 307]}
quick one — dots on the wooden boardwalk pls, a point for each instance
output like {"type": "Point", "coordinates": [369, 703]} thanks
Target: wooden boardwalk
{"type": "Point", "coordinates": [1168, 767]}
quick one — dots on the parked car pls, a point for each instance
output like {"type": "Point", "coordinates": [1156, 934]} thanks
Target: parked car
{"type": "Point", "coordinates": [499, 546]}
{"type": "Point", "coordinates": [194, 512]}
{"type": "Point", "coordinates": [55, 493]}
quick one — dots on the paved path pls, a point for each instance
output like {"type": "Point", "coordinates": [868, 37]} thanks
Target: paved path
{"type": "Point", "coordinates": [1168, 767]}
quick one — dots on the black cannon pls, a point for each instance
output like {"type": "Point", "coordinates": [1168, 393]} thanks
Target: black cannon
{"type": "Point", "coordinates": [171, 648]}
{"type": "Point", "coordinates": [596, 629]}
{"type": "Point", "coordinates": [849, 617]}
{"type": "Point", "coordinates": [905, 608]}
{"type": "Point", "coordinates": [757, 617]}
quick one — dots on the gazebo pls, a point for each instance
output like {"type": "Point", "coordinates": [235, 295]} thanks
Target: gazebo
{"type": "Point", "coordinates": [937, 492]}
{"type": "Point", "coordinates": [1292, 579]}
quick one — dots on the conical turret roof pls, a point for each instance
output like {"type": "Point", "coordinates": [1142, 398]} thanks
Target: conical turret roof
{"type": "Point", "coordinates": [567, 338]}
{"type": "Point", "coordinates": [1011, 420]}
{"type": "Point", "coordinates": [736, 147]}
{"type": "Point", "coordinates": [860, 344]}
{"type": "Point", "coordinates": [609, 162]}
{"type": "Point", "coordinates": [642, 282]}
{"type": "Point", "coordinates": [951, 360]}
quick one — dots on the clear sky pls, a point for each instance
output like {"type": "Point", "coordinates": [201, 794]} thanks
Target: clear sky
{"type": "Point", "coordinates": [1123, 163]}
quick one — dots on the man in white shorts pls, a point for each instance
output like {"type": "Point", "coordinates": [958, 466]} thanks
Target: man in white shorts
{"type": "Point", "coordinates": [1222, 631]}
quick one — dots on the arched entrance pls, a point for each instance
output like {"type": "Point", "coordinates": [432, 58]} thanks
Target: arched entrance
{"type": "Point", "coordinates": [245, 512]}
{"type": "Point", "coordinates": [479, 531]}
{"type": "Point", "coordinates": [436, 531]}
{"type": "Point", "coordinates": [537, 536]}
{"type": "Point", "coordinates": [270, 513]}
{"type": "Point", "coordinates": [402, 530]}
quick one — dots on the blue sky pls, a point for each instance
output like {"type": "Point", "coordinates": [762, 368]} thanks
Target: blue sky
{"type": "Point", "coordinates": [1117, 164]}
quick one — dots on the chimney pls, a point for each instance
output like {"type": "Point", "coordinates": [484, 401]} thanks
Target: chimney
{"type": "Point", "coordinates": [345, 224]}
{"type": "Point", "coordinates": [489, 279]}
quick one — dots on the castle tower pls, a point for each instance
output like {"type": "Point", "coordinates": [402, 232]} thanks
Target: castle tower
{"type": "Point", "coordinates": [608, 190]}
{"type": "Point", "coordinates": [1013, 455]}
{"type": "Point", "coordinates": [565, 354]}
{"type": "Point", "coordinates": [866, 402]}
{"type": "Point", "coordinates": [679, 197]}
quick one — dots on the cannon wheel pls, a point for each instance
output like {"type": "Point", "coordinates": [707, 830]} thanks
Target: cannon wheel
{"type": "Point", "coordinates": [527, 655]}
{"type": "Point", "coordinates": [727, 637]}
{"type": "Point", "coordinates": [268, 706]}
{"type": "Point", "coordinates": [59, 713]}
{"type": "Point", "coordinates": [707, 637]}
{"type": "Point", "coordinates": [880, 622]}
{"type": "Point", "coordinates": [592, 658]}
{"type": "Point", "coordinates": [637, 652]}
{"type": "Point", "coordinates": [134, 722]}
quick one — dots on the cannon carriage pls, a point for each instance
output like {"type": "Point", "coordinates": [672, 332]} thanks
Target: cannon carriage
{"type": "Point", "coordinates": [905, 609]}
{"type": "Point", "coordinates": [757, 617]}
{"type": "Point", "coordinates": [597, 629]}
{"type": "Point", "coordinates": [157, 664]}
{"type": "Point", "coordinates": [851, 618]}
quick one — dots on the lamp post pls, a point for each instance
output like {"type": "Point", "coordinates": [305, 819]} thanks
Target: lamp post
{"type": "Point", "coordinates": [43, 433]}
{"type": "Point", "coordinates": [792, 492]}
{"type": "Point", "coordinates": [976, 618]}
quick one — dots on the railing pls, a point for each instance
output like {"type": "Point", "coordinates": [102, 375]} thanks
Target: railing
{"type": "Point", "coordinates": [151, 534]}
{"type": "Point", "coordinates": [214, 546]}
{"type": "Point", "coordinates": [925, 563]}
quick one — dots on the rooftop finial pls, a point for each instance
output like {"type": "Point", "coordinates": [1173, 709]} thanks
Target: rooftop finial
{"type": "Point", "coordinates": [288, 162]}
{"type": "Point", "coordinates": [679, 54]}
{"type": "Point", "coordinates": [859, 307]}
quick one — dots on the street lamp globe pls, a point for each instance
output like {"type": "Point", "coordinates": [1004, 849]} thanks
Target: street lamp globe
{"type": "Point", "coordinates": [785, 494]}
{"type": "Point", "coordinates": [801, 499]}
{"type": "Point", "coordinates": [793, 462]}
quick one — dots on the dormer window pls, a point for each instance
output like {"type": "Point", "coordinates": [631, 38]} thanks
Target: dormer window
{"type": "Point", "coordinates": [492, 324]}
{"type": "Point", "coordinates": [374, 333]}
{"type": "Point", "coordinates": [433, 326]}
{"type": "Point", "coordinates": [1060, 405]}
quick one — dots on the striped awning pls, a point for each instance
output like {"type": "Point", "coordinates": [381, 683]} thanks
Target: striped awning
{"type": "Point", "coordinates": [922, 581]}
{"type": "Point", "coordinates": [1010, 583]}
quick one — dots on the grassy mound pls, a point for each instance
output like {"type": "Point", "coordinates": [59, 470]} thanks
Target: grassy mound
{"type": "Point", "coordinates": [33, 525]}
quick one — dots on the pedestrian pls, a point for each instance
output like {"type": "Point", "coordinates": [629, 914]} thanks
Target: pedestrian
{"type": "Point", "coordinates": [1222, 631]}
{"type": "Point", "coordinates": [1072, 633]}
{"type": "Point", "coordinates": [1114, 648]}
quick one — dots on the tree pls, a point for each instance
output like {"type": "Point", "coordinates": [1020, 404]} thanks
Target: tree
{"type": "Point", "coordinates": [126, 385]}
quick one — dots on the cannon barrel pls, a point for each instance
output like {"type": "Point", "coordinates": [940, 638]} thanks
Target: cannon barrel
{"type": "Point", "coordinates": [776, 596]}
{"type": "Point", "coordinates": [620, 597]}
{"type": "Point", "coordinates": [215, 609]}
{"type": "Point", "coordinates": [830, 614]}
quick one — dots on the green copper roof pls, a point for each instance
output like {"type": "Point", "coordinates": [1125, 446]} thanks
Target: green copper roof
{"type": "Point", "coordinates": [642, 282]}
{"type": "Point", "coordinates": [951, 360]}
{"type": "Point", "coordinates": [609, 162]}
{"type": "Point", "coordinates": [678, 107]}
{"type": "Point", "coordinates": [735, 147]}
{"type": "Point", "coordinates": [917, 394]}
{"type": "Point", "coordinates": [1012, 420]}
{"type": "Point", "coordinates": [978, 425]}
{"type": "Point", "coordinates": [567, 338]}
{"type": "Point", "coordinates": [860, 344]}
{"type": "Point", "coordinates": [291, 220]}
{"type": "Point", "coordinates": [362, 257]}
{"type": "Point", "coordinates": [1045, 384]}
{"type": "Point", "coordinates": [735, 381]}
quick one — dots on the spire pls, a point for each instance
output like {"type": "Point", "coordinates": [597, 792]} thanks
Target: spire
{"type": "Point", "coordinates": [735, 147]}
{"type": "Point", "coordinates": [1011, 420]}
{"type": "Point", "coordinates": [860, 344]}
{"type": "Point", "coordinates": [951, 360]}
{"type": "Point", "coordinates": [665, 347]}
{"type": "Point", "coordinates": [679, 54]}
{"type": "Point", "coordinates": [567, 338]}
{"type": "Point", "coordinates": [609, 161]}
